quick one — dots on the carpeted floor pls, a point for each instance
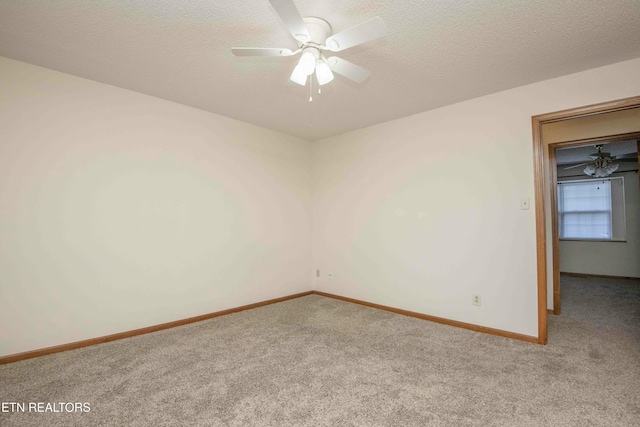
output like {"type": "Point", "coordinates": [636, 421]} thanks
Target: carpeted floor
{"type": "Point", "coordinates": [606, 303]}
{"type": "Point", "coordinates": [315, 361]}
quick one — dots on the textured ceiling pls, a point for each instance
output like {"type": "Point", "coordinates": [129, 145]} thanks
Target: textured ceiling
{"type": "Point", "coordinates": [437, 52]}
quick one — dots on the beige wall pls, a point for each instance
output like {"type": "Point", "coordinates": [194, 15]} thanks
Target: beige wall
{"type": "Point", "coordinates": [120, 211]}
{"type": "Point", "coordinates": [422, 212]}
{"type": "Point", "coordinates": [618, 122]}
{"type": "Point", "coordinates": [609, 258]}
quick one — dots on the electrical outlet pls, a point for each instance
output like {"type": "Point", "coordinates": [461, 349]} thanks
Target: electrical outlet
{"type": "Point", "coordinates": [331, 275]}
{"type": "Point", "coordinates": [318, 273]}
{"type": "Point", "coordinates": [476, 299]}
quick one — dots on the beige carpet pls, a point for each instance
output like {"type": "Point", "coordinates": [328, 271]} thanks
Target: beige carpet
{"type": "Point", "coordinates": [316, 361]}
{"type": "Point", "coordinates": [609, 304]}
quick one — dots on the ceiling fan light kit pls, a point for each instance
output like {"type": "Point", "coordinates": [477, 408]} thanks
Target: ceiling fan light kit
{"type": "Point", "coordinates": [307, 63]}
{"type": "Point", "coordinates": [299, 76]}
{"type": "Point", "coordinates": [315, 36]}
{"type": "Point", "coordinates": [323, 73]}
{"type": "Point", "coordinates": [602, 164]}
{"type": "Point", "coordinates": [601, 167]}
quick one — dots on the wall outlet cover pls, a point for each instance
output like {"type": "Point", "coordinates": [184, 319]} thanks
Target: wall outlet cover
{"type": "Point", "coordinates": [476, 299]}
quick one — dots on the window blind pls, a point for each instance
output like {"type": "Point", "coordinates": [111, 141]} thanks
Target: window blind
{"type": "Point", "coordinates": [584, 210]}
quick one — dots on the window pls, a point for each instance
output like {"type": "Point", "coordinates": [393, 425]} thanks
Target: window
{"type": "Point", "coordinates": [591, 209]}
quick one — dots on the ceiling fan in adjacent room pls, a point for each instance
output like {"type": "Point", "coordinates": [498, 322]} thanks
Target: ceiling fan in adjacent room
{"type": "Point", "coordinates": [315, 42]}
{"type": "Point", "coordinates": [603, 164]}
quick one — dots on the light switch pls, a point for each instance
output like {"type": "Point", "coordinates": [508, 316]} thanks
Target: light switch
{"type": "Point", "coordinates": [524, 203]}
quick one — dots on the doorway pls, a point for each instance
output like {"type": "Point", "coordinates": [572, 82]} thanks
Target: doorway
{"type": "Point", "coordinates": [545, 180]}
{"type": "Point", "coordinates": [610, 246]}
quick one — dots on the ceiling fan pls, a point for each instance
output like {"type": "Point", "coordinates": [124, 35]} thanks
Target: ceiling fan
{"type": "Point", "coordinates": [315, 39]}
{"type": "Point", "coordinates": [602, 163]}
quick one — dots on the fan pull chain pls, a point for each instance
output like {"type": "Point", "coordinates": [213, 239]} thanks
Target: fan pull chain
{"type": "Point", "coordinates": [311, 88]}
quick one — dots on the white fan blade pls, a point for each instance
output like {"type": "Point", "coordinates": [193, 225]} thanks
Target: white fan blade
{"type": "Point", "coordinates": [260, 51]}
{"type": "Point", "coordinates": [631, 157]}
{"type": "Point", "coordinates": [361, 33]}
{"type": "Point", "coordinates": [576, 166]}
{"type": "Point", "coordinates": [347, 69]}
{"type": "Point", "coordinates": [292, 20]}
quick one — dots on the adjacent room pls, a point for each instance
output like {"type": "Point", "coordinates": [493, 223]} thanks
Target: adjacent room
{"type": "Point", "coordinates": [598, 229]}
{"type": "Point", "coordinates": [294, 212]}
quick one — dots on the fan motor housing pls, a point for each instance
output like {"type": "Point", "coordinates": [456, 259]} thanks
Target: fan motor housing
{"type": "Point", "coordinates": [319, 29]}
